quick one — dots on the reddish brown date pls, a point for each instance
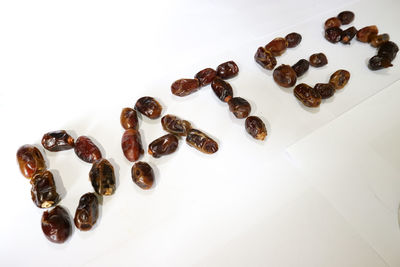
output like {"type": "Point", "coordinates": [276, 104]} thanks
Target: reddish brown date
{"type": "Point", "coordinates": [378, 62]}
{"type": "Point", "coordinates": [57, 141]}
{"type": "Point", "coordinates": [301, 67]}
{"type": "Point", "coordinates": [346, 17]}
{"type": "Point", "coordinates": [318, 60]}
{"type": "Point", "coordinates": [149, 107]}
{"type": "Point", "coordinates": [131, 144]}
{"type": "Point", "coordinates": [307, 95]}
{"type": "Point", "coordinates": [339, 79]}
{"type": "Point", "coordinates": [388, 50]}
{"type": "Point", "coordinates": [333, 35]}
{"type": "Point", "coordinates": [86, 150]}
{"type": "Point", "coordinates": [175, 125]}
{"type": "Point", "coordinates": [277, 46]}
{"type": "Point", "coordinates": [30, 161]}
{"type": "Point", "coordinates": [365, 34]}
{"type": "Point", "coordinates": [227, 70]}
{"type": "Point", "coordinates": [163, 145]}
{"type": "Point", "coordinates": [102, 177]}
{"type": "Point", "coordinates": [201, 142]}
{"type": "Point", "coordinates": [56, 225]}
{"type": "Point", "coordinates": [332, 22]}
{"type": "Point", "coordinates": [348, 35]}
{"type": "Point", "coordinates": [206, 76]}
{"type": "Point", "coordinates": [377, 40]}
{"type": "Point", "coordinates": [265, 58]}
{"type": "Point", "coordinates": [87, 212]}
{"type": "Point", "coordinates": [285, 76]}
{"type": "Point", "coordinates": [223, 90]}
{"type": "Point", "coordinates": [325, 90]}
{"type": "Point", "coordinates": [43, 191]}
{"type": "Point", "coordinates": [256, 127]}
{"type": "Point", "coordinates": [240, 107]}
{"type": "Point", "coordinates": [184, 87]}
{"type": "Point", "coordinates": [129, 119]}
{"type": "Point", "coordinates": [142, 175]}
{"type": "Point", "coordinates": [293, 39]}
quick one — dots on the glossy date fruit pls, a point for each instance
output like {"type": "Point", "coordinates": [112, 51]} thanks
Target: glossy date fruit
{"type": "Point", "coordinates": [388, 50]}
{"type": "Point", "coordinates": [86, 150]}
{"type": "Point", "coordinates": [377, 40]}
{"type": "Point", "coordinates": [240, 107]}
{"type": "Point", "coordinates": [332, 22]}
{"type": "Point", "coordinates": [293, 39]}
{"type": "Point", "coordinates": [333, 35]}
{"type": "Point", "coordinates": [142, 175]}
{"type": "Point", "coordinates": [365, 34]}
{"type": "Point", "coordinates": [206, 76]}
{"type": "Point", "coordinates": [131, 144]}
{"type": "Point", "coordinates": [348, 35]}
{"type": "Point", "coordinates": [301, 67]}
{"type": "Point", "coordinates": [325, 90]}
{"type": "Point", "coordinates": [346, 17]}
{"type": "Point", "coordinates": [307, 95]}
{"type": "Point", "coordinates": [30, 160]}
{"type": "Point", "coordinates": [256, 127]}
{"type": "Point", "coordinates": [57, 141]}
{"type": "Point", "coordinates": [184, 87]}
{"type": "Point", "coordinates": [129, 119]}
{"type": "Point", "coordinates": [175, 125]}
{"type": "Point", "coordinates": [265, 58]}
{"type": "Point", "coordinates": [163, 145]}
{"type": "Point", "coordinates": [285, 76]}
{"type": "Point", "coordinates": [227, 70]}
{"type": "Point", "coordinates": [318, 60]}
{"type": "Point", "coordinates": [277, 46]}
{"type": "Point", "coordinates": [149, 107]}
{"type": "Point", "coordinates": [56, 225]}
{"type": "Point", "coordinates": [378, 62]}
{"type": "Point", "coordinates": [102, 177]}
{"type": "Point", "coordinates": [223, 90]}
{"type": "Point", "coordinates": [201, 142]}
{"type": "Point", "coordinates": [43, 191]}
{"type": "Point", "coordinates": [87, 212]}
{"type": "Point", "coordinates": [339, 79]}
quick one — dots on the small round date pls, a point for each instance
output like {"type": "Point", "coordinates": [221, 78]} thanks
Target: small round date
{"type": "Point", "coordinates": [240, 107]}
{"type": "Point", "coordinates": [142, 175]}
{"type": "Point", "coordinates": [307, 95]}
{"type": "Point", "coordinates": [206, 76]}
{"type": "Point", "coordinates": [30, 160]}
{"type": "Point", "coordinates": [86, 150]}
{"type": "Point", "coordinates": [256, 127]}
{"type": "Point", "coordinates": [227, 70]}
{"type": "Point", "coordinates": [149, 107]}
{"type": "Point", "coordinates": [102, 177]}
{"type": "Point", "coordinates": [129, 119]}
{"type": "Point", "coordinates": [285, 76]}
{"type": "Point", "coordinates": [56, 225]}
{"type": "Point", "coordinates": [57, 141]}
{"type": "Point", "coordinates": [87, 212]}
{"type": "Point", "coordinates": [339, 79]}
{"type": "Point", "coordinates": [164, 145]}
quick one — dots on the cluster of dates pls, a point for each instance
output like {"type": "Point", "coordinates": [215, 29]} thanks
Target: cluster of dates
{"type": "Point", "coordinates": [387, 50]}
{"type": "Point", "coordinates": [56, 223]}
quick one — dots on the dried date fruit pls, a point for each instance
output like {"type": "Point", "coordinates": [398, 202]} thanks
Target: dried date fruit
{"type": "Point", "coordinates": [348, 35]}
{"type": "Point", "coordinates": [163, 145]}
{"type": "Point", "coordinates": [318, 60]}
{"type": "Point", "coordinates": [30, 161]}
{"type": "Point", "coordinates": [377, 40]}
{"type": "Point", "coordinates": [333, 35]}
{"type": "Point", "coordinates": [43, 191]}
{"type": "Point", "coordinates": [307, 95]}
{"type": "Point", "coordinates": [131, 144]}
{"type": "Point", "coordinates": [102, 177]}
{"type": "Point", "coordinates": [184, 87]}
{"type": "Point", "coordinates": [265, 58]}
{"type": "Point", "coordinates": [149, 107]}
{"type": "Point", "coordinates": [56, 225]}
{"type": "Point", "coordinates": [142, 175]}
{"type": "Point", "coordinates": [175, 125]}
{"type": "Point", "coordinates": [277, 46]}
{"type": "Point", "coordinates": [222, 89]}
{"type": "Point", "coordinates": [293, 39]}
{"type": "Point", "coordinates": [378, 62]}
{"type": "Point", "coordinates": [86, 150]}
{"type": "Point", "coordinates": [201, 142]}
{"type": "Point", "coordinates": [239, 107]}
{"type": "Point", "coordinates": [339, 79]}
{"type": "Point", "coordinates": [301, 67]}
{"type": "Point", "coordinates": [129, 119]}
{"type": "Point", "coordinates": [346, 17]}
{"type": "Point", "coordinates": [87, 212]}
{"type": "Point", "coordinates": [285, 76]}
{"type": "Point", "coordinates": [365, 34]}
{"type": "Point", "coordinates": [388, 50]}
{"type": "Point", "coordinates": [325, 90]}
{"type": "Point", "coordinates": [206, 76]}
{"type": "Point", "coordinates": [256, 127]}
{"type": "Point", "coordinates": [227, 70]}
{"type": "Point", "coordinates": [57, 141]}
{"type": "Point", "coordinates": [332, 22]}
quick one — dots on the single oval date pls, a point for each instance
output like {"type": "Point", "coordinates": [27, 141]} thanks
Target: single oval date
{"type": "Point", "coordinates": [307, 95]}
{"type": "Point", "coordinates": [44, 192]}
{"type": "Point", "coordinates": [56, 225]}
{"type": "Point", "coordinates": [87, 212]}
{"type": "Point", "coordinates": [223, 90]}
{"type": "Point", "coordinates": [164, 145]}
{"type": "Point", "coordinates": [256, 127]}
{"type": "Point", "coordinates": [240, 107]}
{"type": "Point", "coordinates": [30, 160]}
{"type": "Point", "coordinates": [129, 119]}
{"type": "Point", "coordinates": [184, 87]}
{"type": "Point", "coordinates": [149, 107]}
{"type": "Point", "coordinates": [175, 125]}
{"type": "Point", "coordinates": [227, 70]}
{"type": "Point", "coordinates": [131, 144]}
{"type": "Point", "coordinates": [142, 175]}
{"type": "Point", "coordinates": [206, 76]}
{"type": "Point", "coordinates": [102, 177]}
{"type": "Point", "coordinates": [86, 150]}
{"type": "Point", "coordinates": [201, 142]}
{"type": "Point", "coordinates": [57, 141]}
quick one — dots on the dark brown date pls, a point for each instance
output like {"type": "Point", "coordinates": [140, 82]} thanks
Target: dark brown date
{"type": "Point", "coordinates": [163, 145]}
{"type": "Point", "coordinates": [307, 95]}
{"type": "Point", "coordinates": [333, 35]}
{"type": "Point", "coordinates": [365, 34]}
{"type": "Point", "coordinates": [388, 50]}
{"type": "Point", "coordinates": [30, 161]}
{"type": "Point", "coordinates": [277, 46]}
{"type": "Point", "coordinates": [102, 177]}
{"type": "Point", "coordinates": [301, 67]}
{"type": "Point", "coordinates": [86, 150]}
{"type": "Point", "coordinates": [87, 212]}
{"type": "Point", "coordinates": [206, 76]}
{"type": "Point", "coordinates": [175, 125]}
{"type": "Point", "coordinates": [201, 142]}
{"type": "Point", "coordinates": [239, 107]}
{"type": "Point", "coordinates": [256, 127]}
{"type": "Point", "coordinates": [142, 175]}
{"type": "Point", "coordinates": [285, 76]}
{"type": "Point", "coordinates": [339, 79]}
{"type": "Point", "coordinates": [378, 62]}
{"type": "Point", "coordinates": [129, 119]}
{"type": "Point", "coordinates": [227, 70]}
{"type": "Point", "coordinates": [377, 40]}
{"type": "Point", "coordinates": [325, 90]}
{"type": "Point", "coordinates": [346, 17]}
{"type": "Point", "coordinates": [318, 60]}
{"type": "Point", "coordinates": [348, 35]}
{"type": "Point", "coordinates": [223, 90]}
{"type": "Point", "coordinates": [332, 22]}
{"type": "Point", "coordinates": [57, 141]}
{"type": "Point", "coordinates": [149, 107]}
{"type": "Point", "coordinates": [293, 39]}
{"type": "Point", "coordinates": [184, 87]}
{"type": "Point", "coordinates": [131, 144]}
{"type": "Point", "coordinates": [265, 58]}
{"type": "Point", "coordinates": [43, 191]}
{"type": "Point", "coordinates": [56, 225]}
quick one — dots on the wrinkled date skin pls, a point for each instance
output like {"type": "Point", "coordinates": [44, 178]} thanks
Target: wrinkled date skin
{"type": "Point", "coordinates": [201, 142]}
{"type": "Point", "coordinates": [142, 175]}
{"type": "Point", "coordinates": [206, 76]}
{"type": "Point", "coordinates": [346, 17]}
{"type": "Point", "coordinates": [318, 60]}
{"type": "Point", "coordinates": [277, 46]}
{"type": "Point", "coordinates": [285, 76]}
{"type": "Point", "coordinates": [87, 212]}
{"type": "Point", "coordinates": [339, 79]}
{"type": "Point", "coordinates": [223, 90]}
{"type": "Point", "coordinates": [333, 35]}
{"type": "Point", "coordinates": [56, 225]}
{"type": "Point", "coordinates": [325, 90]}
{"type": "Point", "coordinates": [377, 40]}
{"type": "Point", "coordinates": [129, 119]}
{"type": "Point", "coordinates": [102, 177]}
{"type": "Point", "coordinates": [184, 87]}
{"type": "Point", "coordinates": [377, 63]}
{"type": "Point", "coordinates": [348, 35]}
{"type": "Point", "coordinates": [86, 150]}
{"type": "Point", "coordinates": [227, 70]}
{"type": "Point", "coordinates": [149, 107]}
{"type": "Point", "coordinates": [365, 34]}
{"type": "Point", "coordinates": [256, 127]}
{"type": "Point", "coordinates": [57, 141]}
{"type": "Point", "coordinates": [43, 191]}
{"type": "Point", "coordinates": [30, 161]}
{"type": "Point", "coordinates": [265, 58]}
{"type": "Point", "coordinates": [239, 107]}
{"type": "Point", "coordinates": [175, 125]}
{"type": "Point", "coordinates": [301, 67]}
{"type": "Point", "coordinates": [163, 145]}
{"type": "Point", "coordinates": [307, 95]}
{"type": "Point", "coordinates": [332, 22]}
{"type": "Point", "coordinates": [131, 144]}
{"type": "Point", "coordinates": [293, 39]}
{"type": "Point", "coordinates": [388, 50]}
